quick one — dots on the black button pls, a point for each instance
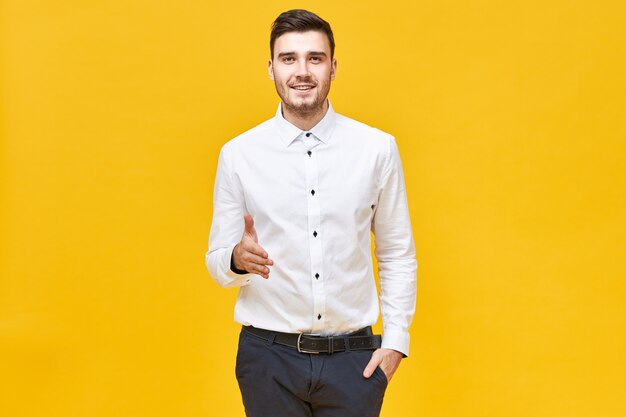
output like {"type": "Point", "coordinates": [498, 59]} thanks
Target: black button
{"type": "Point", "coordinates": [373, 206]}
{"type": "Point", "coordinates": [317, 275]}
{"type": "Point", "coordinates": [309, 153]}
{"type": "Point", "coordinates": [314, 233]}
{"type": "Point", "coordinates": [308, 134]}
{"type": "Point", "coordinates": [312, 192]}
{"type": "Point", "coordinates": [319, 316]}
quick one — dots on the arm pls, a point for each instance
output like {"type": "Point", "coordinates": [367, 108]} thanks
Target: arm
{"type": "Point", "coordinates": [395, 253]}
{"type": "Point", "coordinates": [234, 252]}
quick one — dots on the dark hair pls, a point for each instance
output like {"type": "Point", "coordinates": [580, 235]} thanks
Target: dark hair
{"type": "Point", "coordinates": [299, 20]}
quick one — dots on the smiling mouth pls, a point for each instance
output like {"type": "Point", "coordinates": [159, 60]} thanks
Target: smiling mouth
{"type": "Point", "coordinates": [302, 87]}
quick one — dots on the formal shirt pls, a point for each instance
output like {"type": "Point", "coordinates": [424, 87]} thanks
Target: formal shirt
{"type": "Point", "coordinates": [315, 196]}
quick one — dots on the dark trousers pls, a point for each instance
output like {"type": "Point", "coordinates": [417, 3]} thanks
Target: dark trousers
{"type": "Point", "coordinates": [278, 381]}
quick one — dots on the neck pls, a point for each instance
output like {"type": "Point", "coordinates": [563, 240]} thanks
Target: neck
{"type": "Point", "coordinates": [304, 120]}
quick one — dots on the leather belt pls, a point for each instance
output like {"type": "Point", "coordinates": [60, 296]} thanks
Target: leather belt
{"type": "Point", "coordinates": [310, 343]}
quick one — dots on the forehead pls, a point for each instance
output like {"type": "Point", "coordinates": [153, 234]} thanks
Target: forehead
{"type": "Point", "coordinates": [302, 42]}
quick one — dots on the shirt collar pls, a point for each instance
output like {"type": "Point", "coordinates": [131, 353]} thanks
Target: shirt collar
{"type": "Point", "coordinates": [322, 130]}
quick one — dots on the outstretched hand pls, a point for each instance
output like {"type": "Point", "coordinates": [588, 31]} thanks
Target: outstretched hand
{"type": "Point", "coordinates": [248, 255]}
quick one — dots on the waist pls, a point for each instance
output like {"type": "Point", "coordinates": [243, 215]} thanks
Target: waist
{"type": "Point", "coordinates": [362, 339]}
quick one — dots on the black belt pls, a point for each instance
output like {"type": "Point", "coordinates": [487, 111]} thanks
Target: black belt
{"type": "Point", "coordinates": [308, 343]}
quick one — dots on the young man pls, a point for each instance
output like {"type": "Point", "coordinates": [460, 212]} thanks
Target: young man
{"type": "Point", "coordinates": [295, 200]}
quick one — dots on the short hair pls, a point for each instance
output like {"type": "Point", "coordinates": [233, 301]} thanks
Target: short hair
{"type": "Point", "coordinates": [299, 20]}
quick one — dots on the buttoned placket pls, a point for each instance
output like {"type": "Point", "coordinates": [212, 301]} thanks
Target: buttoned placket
{"type": "Point", "coordinates": [315, 233]}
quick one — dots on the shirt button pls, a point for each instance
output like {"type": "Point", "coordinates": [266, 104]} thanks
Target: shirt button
{"type": "Point", "coordinates": [308, 134]}
{"type": "Point", "coordinates": [309, 153]}
{"type": "Point", "coordinates": [314, 233]}
{"type": "Point", "coordinates": [312, 192]}
{"type": "Point", "coordinates": [319, 316]}
{"type": "Point", "coordinates": [317, 275]}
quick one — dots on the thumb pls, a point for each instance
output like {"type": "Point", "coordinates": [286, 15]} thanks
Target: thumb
{"type": "Point", "coordinates": [249, 222]}
{"type": "Point", "coordinates": [371, 366]}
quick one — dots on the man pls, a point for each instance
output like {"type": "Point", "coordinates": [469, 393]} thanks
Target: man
{"type": "Point", "coordinates": [294, 203]}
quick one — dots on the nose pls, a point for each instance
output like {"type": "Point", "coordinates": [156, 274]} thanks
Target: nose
{"type": "Point", "coordinates": [303, 68]}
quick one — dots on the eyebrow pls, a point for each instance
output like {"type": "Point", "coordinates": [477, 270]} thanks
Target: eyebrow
{"type": "Point", "coordinates": [290, 53]}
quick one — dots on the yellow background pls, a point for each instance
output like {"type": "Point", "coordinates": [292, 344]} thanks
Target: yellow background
{"type": "Point", "coordinates": [510, 118]}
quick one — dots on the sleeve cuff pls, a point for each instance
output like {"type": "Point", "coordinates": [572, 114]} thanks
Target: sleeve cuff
{"type": "Point", "coordinates": [397, 340]}
{"type": "Point", "coordinates": [219, 263]}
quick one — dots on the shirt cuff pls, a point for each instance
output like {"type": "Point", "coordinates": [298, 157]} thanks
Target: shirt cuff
{"type": "Point", "coordinates": [225, 276]}
{"type": "Point", "coordinates": [397, 340]}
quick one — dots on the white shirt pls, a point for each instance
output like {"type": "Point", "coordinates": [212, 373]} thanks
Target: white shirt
{"type": "Point", "coordinates": [315, 196]}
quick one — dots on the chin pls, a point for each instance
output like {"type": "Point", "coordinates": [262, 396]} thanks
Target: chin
{"type": "Point", "coordinates": [305, 106]}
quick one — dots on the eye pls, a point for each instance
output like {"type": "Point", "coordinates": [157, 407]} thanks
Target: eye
{"type": "Point", "coordinates": [288, 59]}
{"type": "Point", "coordinates": [315, 59]}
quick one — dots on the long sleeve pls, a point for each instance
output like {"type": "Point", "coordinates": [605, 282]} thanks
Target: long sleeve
{"type": "Point", "coordinates": [227, 226]}
{"type": "Point", "coordinates": [395, 253]}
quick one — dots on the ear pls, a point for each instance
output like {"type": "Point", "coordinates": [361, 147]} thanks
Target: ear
{"type": "Point", "coordinates": [333, 69]}
{"type": "Point", "coordinates": [270, 69]}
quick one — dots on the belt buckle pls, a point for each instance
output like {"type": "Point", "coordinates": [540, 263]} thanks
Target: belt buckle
{"type": "Point", "coordinates": [300, 350]}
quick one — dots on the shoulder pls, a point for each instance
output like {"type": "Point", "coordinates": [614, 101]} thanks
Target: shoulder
{"type": "Point", "coordinates": [256, 134]}
{"type": "Point", "coordinates": [363, 133]}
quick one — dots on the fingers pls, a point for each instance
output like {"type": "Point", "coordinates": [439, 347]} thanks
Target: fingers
{"type": "Point", "coordinates": [250, 246]}
{"type": "Point", "coordinates": [249, 222]}
{"type": "Point", "coordinates": [372, 365]}
{"type": "Point", "coordinates": [257, 260]}
{"type": "Point", "coordinates": [249, 226]}
{"type": "Point", "coordinates": [251, 257]}
{"type": "Point", "coordinates": [248, 255]}
{"type": "Point", "coordinates": [387, 359]}
{"type": "Point", "coordinates": [258, 269]}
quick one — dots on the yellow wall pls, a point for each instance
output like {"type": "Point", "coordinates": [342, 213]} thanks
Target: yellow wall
{"type": "Point", "coordinates": [510, 117]}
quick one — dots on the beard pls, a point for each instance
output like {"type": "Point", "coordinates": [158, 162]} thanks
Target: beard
{"type": "Point", "coordinates": [309, 104]}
